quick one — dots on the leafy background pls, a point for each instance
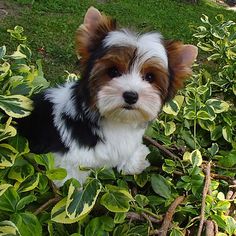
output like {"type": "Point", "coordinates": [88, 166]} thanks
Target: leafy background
{"type": "Point", "coordinates": [188, 190]}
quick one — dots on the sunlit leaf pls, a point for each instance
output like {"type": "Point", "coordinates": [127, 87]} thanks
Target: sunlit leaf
{"type": "Point", "coordinates": [81, 201]}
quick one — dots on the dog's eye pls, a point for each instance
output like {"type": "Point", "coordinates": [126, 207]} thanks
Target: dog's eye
{"type": "Point", "coordinates": [150, 77]}
{"type": "Point", "coordinates": [113, 72]}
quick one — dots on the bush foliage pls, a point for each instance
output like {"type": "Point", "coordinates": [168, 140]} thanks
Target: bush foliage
{"type": "Point", "coordinates": [193, 154]}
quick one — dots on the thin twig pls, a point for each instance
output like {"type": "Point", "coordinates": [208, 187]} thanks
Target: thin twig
{"type": "Point", "coordinates": [148, 220]}
{"type": "Point", "coordinates": [222, 177]}
{"type": "Point", "coordinates": [169, 214]}
{"type": "Point", "coordinates": [204, 193]}
{"type": "Point", "coordinates": [140, 217]}
{"type": "Point", "coordinates": [47, 204]}
{"type": "Point", "coordinates": [163, 149]}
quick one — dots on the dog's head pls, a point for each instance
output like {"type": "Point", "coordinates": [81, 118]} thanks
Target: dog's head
{"type": "Point", "coordinates": [129, 76]}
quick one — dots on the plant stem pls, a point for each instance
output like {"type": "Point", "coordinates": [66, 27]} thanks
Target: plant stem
{"type": "Point", "coordinates": [147, 211]}
{"type": "Point", "coordinates": [204, 194]}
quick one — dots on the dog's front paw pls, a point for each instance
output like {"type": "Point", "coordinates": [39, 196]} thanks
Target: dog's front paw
{"type": "Point", "coordinates": [137, 163]}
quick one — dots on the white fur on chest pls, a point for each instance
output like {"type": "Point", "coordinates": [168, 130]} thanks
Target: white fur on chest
{"type": "Point", "coordinates": [122, 148]}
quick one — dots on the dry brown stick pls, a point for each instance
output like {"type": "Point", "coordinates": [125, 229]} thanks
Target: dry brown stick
{"type": "Point", "coordinates": [210, 228]}
{"type": "Point", "coordinates": [159, 146]}
{"type": "Point", "coordinates": [163, 149]}
{"type": "Point", "coordinates": [47, 204]}
{"type": "Point", "coordinates": [204, 193]}
{"type": "Point", "coordinates": [222, 177]}
{"type": "Point", "coordinates": [169, 214]}
{"type": "Point", "coordinates": [140, 217]}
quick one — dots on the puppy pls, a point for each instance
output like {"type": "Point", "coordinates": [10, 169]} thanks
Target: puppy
{"type": "Point", "coordinates": [100, 120]}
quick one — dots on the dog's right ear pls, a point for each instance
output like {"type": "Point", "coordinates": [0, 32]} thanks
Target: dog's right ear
{"type": "Point", "coordinates": [90, 34]}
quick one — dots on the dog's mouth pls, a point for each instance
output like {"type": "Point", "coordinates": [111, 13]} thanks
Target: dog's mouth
{"type": "Point", "coordinates": [128, 107]}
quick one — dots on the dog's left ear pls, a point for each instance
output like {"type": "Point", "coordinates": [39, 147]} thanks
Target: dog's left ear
{"type": "Point", "coordinates": [180, 58]}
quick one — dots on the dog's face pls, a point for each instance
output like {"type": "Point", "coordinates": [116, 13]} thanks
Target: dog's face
{"type": "Point", "coordinates": [129, 76]}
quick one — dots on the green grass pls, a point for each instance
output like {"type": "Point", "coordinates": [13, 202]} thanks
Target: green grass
{"type": "Point", "coordinates": [51, 24]}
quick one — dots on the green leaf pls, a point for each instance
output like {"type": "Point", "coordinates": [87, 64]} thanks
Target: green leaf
{"type": "Point", "coordinates": [115, 201]}
{"type": "Point", "coordinates": [25, 201]}
{"type": "Point", "coordinates": [228, 160]}
{"type": "Point", "coordinates": [121, 230]}
{"type": "Point", "coordinates": [170, 128]}
{"type": "Point", "coordinates": [17, 33]}
{"type": "Point", "coordinates": [9, 200]}
{"type": "Point", "coordinates": [141, 200]}
{"type": "Point", "coordinates": [7, 155]}
{"type": "Point", "coordinates": [141, 179]}
{"type": "Point", "coordinates": [24, 50]}
{"type": "Point", "coordinates": [171, 108]}
{"type": "Point", "coordinates": [176, 232]}
{"type": "Point", "coordinates": [106, 174]}
{"type": "Point", "coordinates": [196, 157]}
{"type": "Point", "coordinates": [30, 183]}
{"type": "Point", "coordinates": [204, 115]}
{"type": "Point", "coordinates": [8, 228]}
{"type": "Point", "coordinates": [119, 217]}
{"type": "Point", "coordinates": [169, 166]}
{"type": "Point", "coordinates": [222, 206]}
{"type": "Point", "coordinates": [139, 230]}
{"type": "Point", "coordinates": [207, 124]}
{"type": "Point", "coordinates": [58, 213]}
{"type": "Point", "coordinates": [219, 106]}
{"type": "Point", "coordinates": [189, 113]}
{"type": "Point", "coordinates": [81, 201]}
{"type": "Point", "coordinates": [21, 171]}
{"type": "Point", "coordinates": [206, 47]}
{"type": "Point", "coordinates": [2, 51]}
{"type": "Point", "coordinates": [99, 226]}
{"type": "Point", "coordinates": [230, 225]}
{"type": "Point", "coordinates": [220, 222]}
{"type": "Point", "coordinates": [20, 144]}
{"type": "Point", "coordinates": [215, 56]}
{"type": "Point", "coordinates": [16, 106]}
{"type": "Point", "coordinates": [56, 174]}
{"type": "Point", "coordinates": [4, 187]}
{"type": "Point", "coordinates": [4, 70]}
{"type": "Point", "coordinates": [216, 133]}
{"type": "Point", "coordinates": [161, 186]}
{"type": "Point", "coordinates": [27, 223]}
{"type": "Point", "coordinates": [7, 131]}
{"type": "Point", "coordinates": [227, 133]}
{"type": "Point", "coordinates": [46, 160]}
{"type": "Point", "coordinates": [214, 149]}
{"type": "Point", "coordinates": [37, 80]}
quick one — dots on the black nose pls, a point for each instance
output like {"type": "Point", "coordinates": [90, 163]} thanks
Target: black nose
{"type": "Point", "coordinates": [130, 97]}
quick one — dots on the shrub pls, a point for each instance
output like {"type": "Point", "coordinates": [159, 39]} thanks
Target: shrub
{"type": "Point", "coordinates": [192, 154]}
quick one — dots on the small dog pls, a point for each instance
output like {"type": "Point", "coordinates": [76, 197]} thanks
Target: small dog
{"type": "Point", "coordinates": [100, 120]}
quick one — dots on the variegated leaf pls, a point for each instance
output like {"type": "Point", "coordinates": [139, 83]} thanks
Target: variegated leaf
{"type": "Point", "coordinates": [16, 106]}
{"type": "Point", "coordinates": [81, 201]}
{"type": "Point", "coordinates": [8, 228]}
{"type": "Point", "coordinates": [7, 155]}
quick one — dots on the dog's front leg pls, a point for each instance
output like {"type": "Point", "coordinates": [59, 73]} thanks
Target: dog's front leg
{"type": "Point", "coordinates": [136, 163]}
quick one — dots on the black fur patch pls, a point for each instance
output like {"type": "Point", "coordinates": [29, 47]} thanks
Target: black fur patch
{"type": "Point", "coordinates": [84, 127]}
{"type": "Point", "coordinates": [39, 129]}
